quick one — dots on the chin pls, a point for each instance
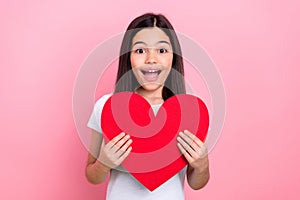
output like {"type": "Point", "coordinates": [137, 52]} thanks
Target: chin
{"type": "Point", "coordinates": [151, 86]}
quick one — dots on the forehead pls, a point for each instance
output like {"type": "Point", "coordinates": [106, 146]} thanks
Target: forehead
{"type": "Point", "coordinates": [150, 36]}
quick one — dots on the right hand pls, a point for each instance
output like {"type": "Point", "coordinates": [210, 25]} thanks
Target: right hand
{"type": "Point", "coordinates": [115, 151]}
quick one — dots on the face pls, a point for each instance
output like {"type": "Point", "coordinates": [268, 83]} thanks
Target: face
{"type": "Point", "coordinates": [151, 58]}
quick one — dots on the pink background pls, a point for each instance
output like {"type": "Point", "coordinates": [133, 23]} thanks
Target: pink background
{"type": "Point", "coordinates": [255, 45]}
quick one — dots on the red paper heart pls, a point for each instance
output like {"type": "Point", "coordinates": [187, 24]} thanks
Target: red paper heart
{"type": "Point", "coordinates": [155, 157]}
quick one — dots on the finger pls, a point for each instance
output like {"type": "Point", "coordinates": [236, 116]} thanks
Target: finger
{"type": "Point", "coordinates": [124, 148]}
{"type": "Point", "coordinates": [187, 148]}
{"type": "Point", "coordinates": [184, 153]}
{"type": "Point", "coordinates": [193, 137]}
{"type": "Point", "coordinates": [124, 155]}
{"type": "Point", "coordinates": [120, 143]}
{"type": "Point", "coordinates": [111, 143]}
{"type": "Point", "coordinates": [189, 141]}
{"type": "Point", "coordinates": [203, 151]}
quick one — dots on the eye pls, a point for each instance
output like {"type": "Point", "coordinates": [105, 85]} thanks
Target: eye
{"type": "Point", "coordinates": [162, 50]}
{"type": "Point", "coordinates": [140, 51]}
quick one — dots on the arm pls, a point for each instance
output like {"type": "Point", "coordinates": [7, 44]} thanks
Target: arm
{"type": "Point", "coordinates": [102, 159]}
{"type": "Point", "coordinates": [198, 177]}
{"type": "Point", "coordinates": [95, 171]}
{"type": "Point", "coordinates": [195, 153]}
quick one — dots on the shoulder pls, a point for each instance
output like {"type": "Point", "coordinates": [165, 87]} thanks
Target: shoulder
{"type": "Point", "coordinates": [102, 100]}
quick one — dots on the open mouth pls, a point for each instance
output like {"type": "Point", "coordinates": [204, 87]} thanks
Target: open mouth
{"type": "Point", "coordinates": [151, 74]}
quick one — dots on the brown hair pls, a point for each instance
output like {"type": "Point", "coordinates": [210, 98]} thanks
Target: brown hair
{"type": "Point", "coordinates": [175, 81]}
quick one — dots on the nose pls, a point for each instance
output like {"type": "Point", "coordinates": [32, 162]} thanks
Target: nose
{"type": "Point", "coordinates": [151, 57]}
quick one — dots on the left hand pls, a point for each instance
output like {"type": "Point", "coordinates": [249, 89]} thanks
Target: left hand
{"type": "Point", "coordinates": [193, 150]}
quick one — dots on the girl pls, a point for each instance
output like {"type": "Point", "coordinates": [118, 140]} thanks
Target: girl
{"type": "Point", "coordinates": [150, 65]}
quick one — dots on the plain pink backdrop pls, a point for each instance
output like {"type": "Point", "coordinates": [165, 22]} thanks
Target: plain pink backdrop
{"type": "Point", "coordinates": [255, 45]}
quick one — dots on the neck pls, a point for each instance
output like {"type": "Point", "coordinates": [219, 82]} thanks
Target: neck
{"type": "Point", "coordinates": [152, 96]}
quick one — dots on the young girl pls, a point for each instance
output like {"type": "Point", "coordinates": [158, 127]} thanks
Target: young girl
{"type": "Point", "coordinates": [149, 64]}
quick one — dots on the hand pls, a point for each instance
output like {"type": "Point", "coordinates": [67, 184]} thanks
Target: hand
{"type": "Point", "coordinates": [193, 150]}
{"type": "Point", "coordinates": [115, 151]}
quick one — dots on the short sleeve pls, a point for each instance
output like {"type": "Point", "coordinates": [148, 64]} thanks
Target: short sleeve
{"type": "Point", "coordinates": [95, 118]}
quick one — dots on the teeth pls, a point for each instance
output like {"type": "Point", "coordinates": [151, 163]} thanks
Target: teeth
{"type": "Point", "coordinates": [151, 71]}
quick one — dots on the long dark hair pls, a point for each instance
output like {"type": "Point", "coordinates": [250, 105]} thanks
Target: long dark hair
{"type": "Point", "coordinates": [126, 80]}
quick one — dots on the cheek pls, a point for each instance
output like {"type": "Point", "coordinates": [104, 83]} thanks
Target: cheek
{"type": "Point", "coordinates": [136, 60]}
{"type": "Point", "coordinates": [167, 61]}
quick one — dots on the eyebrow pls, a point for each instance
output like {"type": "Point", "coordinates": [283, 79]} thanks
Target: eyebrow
{"type": "Point", "coordinates": [159, 42]}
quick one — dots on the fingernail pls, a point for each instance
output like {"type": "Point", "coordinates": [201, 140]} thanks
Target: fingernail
{"type": "Point", "coordinates": [180, 133]}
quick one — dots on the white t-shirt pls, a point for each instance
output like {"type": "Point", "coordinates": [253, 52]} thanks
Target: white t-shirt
{"type": "Point", "coordinates": [122, 185]}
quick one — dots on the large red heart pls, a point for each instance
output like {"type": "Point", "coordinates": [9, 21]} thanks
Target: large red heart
{"type": "Point", "coordinates": [155, 157]}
